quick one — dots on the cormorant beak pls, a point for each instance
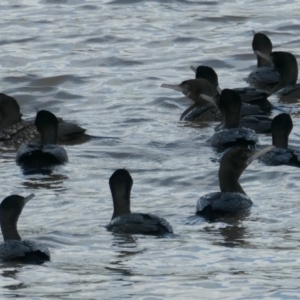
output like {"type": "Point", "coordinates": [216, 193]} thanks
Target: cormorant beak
{"type": "Point", "coordinates": [175, 87]}
{"type": "Point", "coordinates": [209, 99]}
{"type": "Point", "coordinates": [264, 56]}
{"type": "Point", "coordinates": [193, 69]}
{"type": "Point", "coordinates": [259, 153]}
{"type": "Point", "coordinates": [26, 199]}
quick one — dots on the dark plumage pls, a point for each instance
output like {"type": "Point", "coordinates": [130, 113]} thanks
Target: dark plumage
{"type": "Point", "coordinates": [232, 135]}
{"type": "Point", "coordinates": [232, 200]}
{"type": "Point", "coordinates": [282, 126]}
{"type": "Point", "coordinates": [200, 110]}
{"type": "Point", "coordinates": [260, 123]}
{"type": "Point", "coordinates": [286, 65]}
{"type": "Point", "coordinates": [15, 131]}
{"type": "Point", "coordinates": [265, 76]}
{"type": "Point", "coordinates": [36, 157]}
{"type": "Point", "coordinates": [13, 248]}
{"type": "Point", "coordinates": [256, 98]}
{"type": "Point", "coordinates": [123, 221]}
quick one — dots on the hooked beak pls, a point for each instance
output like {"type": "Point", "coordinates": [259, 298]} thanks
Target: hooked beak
{"type": "Point", "coordinates": [193, 69]}
{"type": "Point", "coordinates": [264, 56]}
{"type": "Point", "coordinates": [175, 87]}
{"type": "Point", "coordinates": [259, 153]}
{"type": "Point", "coordinates": [26, 199]}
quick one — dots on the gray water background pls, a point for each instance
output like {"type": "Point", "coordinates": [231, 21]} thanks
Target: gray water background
{"type": "Point", "coordinates": [101, 64]}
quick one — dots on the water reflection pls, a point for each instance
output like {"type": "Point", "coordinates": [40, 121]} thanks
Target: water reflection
{"type": "Point", "coordinates": [53, 181]}
{"type": "Point", "coordinates": [106, 76]}
{"type": "Point", "coordinates": [12, 273]}
{"type": "Point", "coordinates": [125, 246]}
{"type": "Point", "coordinates": [233, 236]}
{"type": "Point", "coordinates": [231, 229]}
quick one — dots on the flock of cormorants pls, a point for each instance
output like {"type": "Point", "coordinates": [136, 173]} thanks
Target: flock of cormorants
{"type": "Point", "coordinates": [243, 112]}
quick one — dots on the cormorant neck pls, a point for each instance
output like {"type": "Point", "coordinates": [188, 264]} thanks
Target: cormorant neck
{"type": "Point", "coordinates": [232, 117]}
{"type": "Point", "coordinates": [195, 87]}
{"type": "Point", "coordinates": [281, 127]}
{"type": "Point", "coordinates": [228, 179]}
{"type": "Point", "coordinates": [9, 229]}
{"type": "Point", "coordinates": [9, 111]}
{"type": "Point", "coordinates": [49, 135]}
{"type": "Point", "coordinates": [261, 62]}
{"type": "Point", "coordinates": [46, 124]}
{"type": "Point", "coordinates": [229, 174]}
{"type": "Point", "coordinates": [262, 43]}
{"type": "Point", "coordinates": [232, 165]}
{"type": "Point", "coordinates": [280, 139]}
{"type": "Point", "coordinates": [230, 106]}
{"type": "Point", "coordinates": [286, 65]}
{"type": "Point", "coordinates": [121, 200]}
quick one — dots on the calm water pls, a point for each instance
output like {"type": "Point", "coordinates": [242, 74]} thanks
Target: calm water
{"type": "Point", "coordinates": [101, 64]}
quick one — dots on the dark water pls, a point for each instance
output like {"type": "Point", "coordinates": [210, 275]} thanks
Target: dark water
{"type": "Point", "coordinates": [101, 64]}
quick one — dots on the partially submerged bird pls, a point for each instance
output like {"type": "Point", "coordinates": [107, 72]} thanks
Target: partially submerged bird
{"type": "Point", "coordinates": [15, 131]}
{"type": "Point", "coordinates": [123, 221]}
{"type": "Point", "coordinates": [282, 126]}
{"type": "Point", "coordinates": [200, 110]}
{"type": "Point", "coordinates": [250, 95]}
{"type": "Point", "coordinates": [39, 157]}
{"type": "Point", "coordinates": [258, 123]}
{"type": "Point", "coordinates": [286, 65]}
{"type": "Point", "coordinates": [264, 76]}
{"type": "Point", "coordinates": [232, 135]}
{"type": "Point", "coordinates": [14, 248]}
{"type": "Point", "coordinates": [192, 88]}
{"type": "Point", "coordinates": [232, 200]}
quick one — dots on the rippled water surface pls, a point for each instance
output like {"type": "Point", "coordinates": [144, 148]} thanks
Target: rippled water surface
{"type": "Point", "coordinates": [101, 64]}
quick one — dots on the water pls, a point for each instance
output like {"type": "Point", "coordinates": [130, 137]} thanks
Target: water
{"type": "Point", "coordinates": [101, 64]}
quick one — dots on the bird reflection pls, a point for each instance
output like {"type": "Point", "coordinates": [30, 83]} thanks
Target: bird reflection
{"type": "Point", "coordinates": [125, 246]}
{"type": "Point", "coordinates": [230, 228]}
{"type": "Point", "coordinates": [12, 273]}
{"type": "Point", "coordinates": [53, 181]}
{"type": "Point", "coordinates": [233, 236]}
{"type": "Point", "coordinates": [232, 231]}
